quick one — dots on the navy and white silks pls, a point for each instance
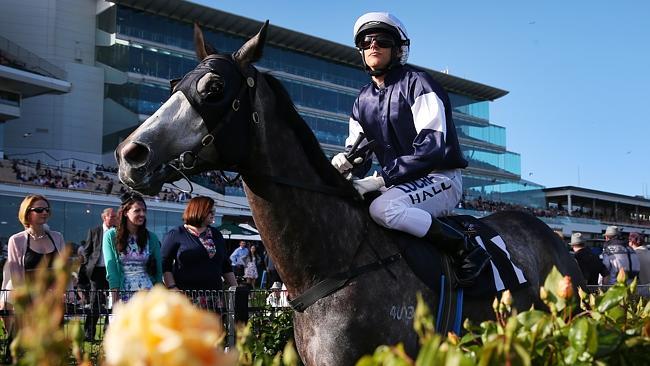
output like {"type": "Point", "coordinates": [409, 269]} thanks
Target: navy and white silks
{"type": "Point", "coordinates": [410, 118]}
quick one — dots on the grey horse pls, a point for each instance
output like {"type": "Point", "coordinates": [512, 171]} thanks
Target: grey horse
{"type": "Point", "coordinates": [225, 114]}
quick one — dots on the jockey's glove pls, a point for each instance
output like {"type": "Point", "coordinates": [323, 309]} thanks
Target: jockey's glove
{"type": "Point", "coordinates": [342, 164]}
{"type": "Point", "coordinates": [369, 184]}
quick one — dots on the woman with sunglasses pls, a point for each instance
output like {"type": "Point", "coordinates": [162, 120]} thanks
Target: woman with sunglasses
{"type": "Point", "coordinates": [131, 252]}
{"type": "Point", "coordinates": [409, 117]}
{"type": "Point", "coordinates": [26, 249]}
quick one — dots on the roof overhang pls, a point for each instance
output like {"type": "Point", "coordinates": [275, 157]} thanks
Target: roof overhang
{"type": "Point", "coordinates": [30, 84]}
{"type": "Point", "coordinates": [245, 27]}
{"type": "Point", "coordinates": [595, 194]}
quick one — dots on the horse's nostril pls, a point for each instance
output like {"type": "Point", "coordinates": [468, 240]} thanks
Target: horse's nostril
{"type": "Point", "coordinates": [135, 154]}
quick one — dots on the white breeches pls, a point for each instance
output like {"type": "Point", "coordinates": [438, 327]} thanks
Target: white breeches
{"type": "Point", "coordinates": [409, 206]}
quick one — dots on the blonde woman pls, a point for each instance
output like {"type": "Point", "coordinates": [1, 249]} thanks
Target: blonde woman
{"type": "Point", "coordinates": [26, 249]}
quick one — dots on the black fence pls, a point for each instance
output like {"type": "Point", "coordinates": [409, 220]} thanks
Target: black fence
{"type": "Point", "coordinates": [93, 309]}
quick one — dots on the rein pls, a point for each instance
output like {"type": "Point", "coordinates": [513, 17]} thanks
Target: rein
{"type": "Point", "coordinates": [337, 281]}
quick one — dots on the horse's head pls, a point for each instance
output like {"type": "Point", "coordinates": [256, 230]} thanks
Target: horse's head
{"type": "Point", "coordinates": [205, 124]}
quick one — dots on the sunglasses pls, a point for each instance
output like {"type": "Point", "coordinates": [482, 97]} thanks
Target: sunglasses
{"type": "Point", "coordinates": [130, 196]}
{"type": "Point", "coordinates": [39, 209]}
{"type": "Point", "coordinates": [382, 40]}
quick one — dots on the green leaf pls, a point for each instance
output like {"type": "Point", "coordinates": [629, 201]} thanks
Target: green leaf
{"type": "Point", "coordinates": [608, 341]}
{"type": "Point", "coordinates": [531, 317]}
{"type": "Point", "coordinates": [578, 335]}
{"type": "Point", "coordinates": [366, 360]}
{"type": "Point", "coordinates": [613, 297]}
{"type": "Point", "coordinates": [487, 354]}
{"type": "Point", "coordinates": [570, 355]}
{"type": "Point", "coordinates": [592, 338]}
{"type": "Point", "coordinates": [523, 354]}
{"type": "Point", "coordinates": [428, 352]}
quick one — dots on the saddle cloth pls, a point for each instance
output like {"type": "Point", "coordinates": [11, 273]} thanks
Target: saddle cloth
{"type": "Point", "coordinates": [427, 262]}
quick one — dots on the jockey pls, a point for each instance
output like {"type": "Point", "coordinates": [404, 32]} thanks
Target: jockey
{"type": "Point", "coordinates": [409, 116]}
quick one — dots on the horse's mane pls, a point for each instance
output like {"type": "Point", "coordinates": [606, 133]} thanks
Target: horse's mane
{"type": "Point", "coordinates": [311, 146]}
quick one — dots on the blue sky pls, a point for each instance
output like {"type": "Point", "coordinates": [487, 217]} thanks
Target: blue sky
{"type": "Point", "coordinates": [578, 110]}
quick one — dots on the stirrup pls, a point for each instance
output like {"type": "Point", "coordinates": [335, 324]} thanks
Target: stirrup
{"type": "Point", "coordinates": [478, 258]}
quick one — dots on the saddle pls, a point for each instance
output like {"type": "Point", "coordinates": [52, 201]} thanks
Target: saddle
{"type": "Point", "coordinates": [429, 264]}
{"type": "Point", "coordinates": [434, 268]}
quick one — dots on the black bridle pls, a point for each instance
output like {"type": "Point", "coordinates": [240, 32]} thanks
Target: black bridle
{"type": "Point", "coordinates": [188, 160]}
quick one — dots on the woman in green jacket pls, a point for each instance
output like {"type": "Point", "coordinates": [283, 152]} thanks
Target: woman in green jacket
{"type": "Point", "coordinates": [131, 252]}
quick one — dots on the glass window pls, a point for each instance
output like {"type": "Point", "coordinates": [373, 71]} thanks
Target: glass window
{"type": "Point", "coordinates": [469, 106]}
{"type": "Point", "coordinates": [491, 133]}
{"type": "Point", "coordinates": [138, 24]}
{"type": "Point", "coordinates": [507, 161]}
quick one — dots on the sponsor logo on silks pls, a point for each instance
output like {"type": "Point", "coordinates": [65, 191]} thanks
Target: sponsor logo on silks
{"type": "Point", "coordinates": [415, 185]}
{"type": "Point", "coordinates": [429, 192]}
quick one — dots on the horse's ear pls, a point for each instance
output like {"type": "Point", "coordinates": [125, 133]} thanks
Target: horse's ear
{"type": "Point", "coordinates": [251, 51]}
{"type": "Point", "coordinates": [202, 49]}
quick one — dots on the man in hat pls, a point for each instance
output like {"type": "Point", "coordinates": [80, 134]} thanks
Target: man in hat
{"type": "Point", "coordinates": [636, 242]}
{"type": "Point", "coordinates": [618, 255]}
{"type": "Point", "coordinates": [278, 296]}
{"type": "Point", "coordinates": [590, 265]}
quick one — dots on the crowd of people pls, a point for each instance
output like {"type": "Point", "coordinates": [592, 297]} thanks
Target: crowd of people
{"type": "Point", "coordinates": [122, 256]}
{"type": "Point", "coordinates": [619, 253]}
{"type": "Point", "coordinates": [217, 181]}
{"type": "Point", "coordinates": [486, 205]}
{"type": "Point", "coordinates": [102, 179]}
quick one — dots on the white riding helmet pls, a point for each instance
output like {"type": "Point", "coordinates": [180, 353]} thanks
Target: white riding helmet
{"type": "Point", "coordinates": [384, 22]}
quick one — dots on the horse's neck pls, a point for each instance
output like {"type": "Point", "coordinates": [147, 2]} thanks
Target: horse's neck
{"type": "Point", "coordinates": [309, 235]}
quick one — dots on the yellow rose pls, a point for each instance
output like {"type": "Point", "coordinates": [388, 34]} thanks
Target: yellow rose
{"type": "Point", "coordinates": [565, 288]}
{"type": "Point", "coordinates": [163, 328]}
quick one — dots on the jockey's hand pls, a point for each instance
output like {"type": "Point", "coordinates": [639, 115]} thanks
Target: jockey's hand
{"type": "Point", "coordinates": [342, 164]}
{"type": "Point", "coordinates": [369, 184]}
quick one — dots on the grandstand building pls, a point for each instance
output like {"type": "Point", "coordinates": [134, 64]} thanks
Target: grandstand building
{"type": "Point", "coordinates": [114, 61]}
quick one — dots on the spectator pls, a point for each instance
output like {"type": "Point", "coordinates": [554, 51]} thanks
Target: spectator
{"type": "Point", "coordinates": [278, 296]}
{"type": "Point", "coordinates": [271, 272]}
{"type": "Point", "coordinates": [590, 265]}
{"type": "Point", "coordinates": [237, 259]}
{"type": "Point", "coordinates": [26, 249]}
{"type": "Point", "coordinates": [95, 270]}
{"type": "Point", "coordinates": [251, 261]}
{"type": "Point", "coordinates": [636, 242]}
{"type": "Point", "coordinates": [618, 255]}
{"type": "Point", "coordinates": [37, 242]}
{"type": "Point", "coordinates": [194, 254]}
{"type": "Point", "coordinates": [131, 252]}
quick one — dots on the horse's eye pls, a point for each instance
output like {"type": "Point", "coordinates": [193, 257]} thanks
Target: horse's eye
{"type": "Point", "coordinates": [216, 85]}
{"type": "Point", "coordinates": [210, 86]}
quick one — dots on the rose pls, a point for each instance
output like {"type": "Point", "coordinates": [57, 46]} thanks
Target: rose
{"type": "Point", "coordinates": [163, 328]}
{"type": "Point", "coordinates": [565, 288]}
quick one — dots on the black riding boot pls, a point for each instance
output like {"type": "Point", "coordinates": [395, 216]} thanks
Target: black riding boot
{"type": "Point", "coordinates": [469, 259]}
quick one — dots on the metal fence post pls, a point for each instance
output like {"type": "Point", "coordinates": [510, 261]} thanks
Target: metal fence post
{"type": "Point", "coordinates": [230, 316]}
{"type": "Point", "coordinates": [236, 311]}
